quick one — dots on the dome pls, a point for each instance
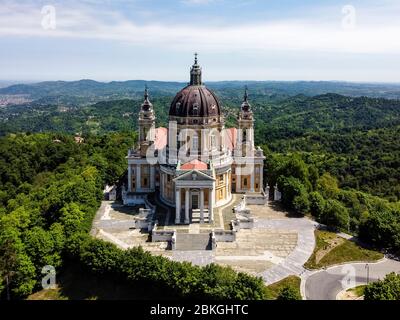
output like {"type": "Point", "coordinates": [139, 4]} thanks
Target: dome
{"type": "Point", "coordinates": [195, 101]}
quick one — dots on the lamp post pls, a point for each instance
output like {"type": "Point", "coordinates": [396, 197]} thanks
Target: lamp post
{"type": "Point", "coordinates": [367, 267]}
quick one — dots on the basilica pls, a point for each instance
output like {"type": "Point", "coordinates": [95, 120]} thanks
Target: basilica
{"type": "Point", "coordinates": [195, 164]}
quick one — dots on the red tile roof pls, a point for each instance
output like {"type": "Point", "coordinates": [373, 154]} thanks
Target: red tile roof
{"type": "Point", "coordinates": [194, 165]}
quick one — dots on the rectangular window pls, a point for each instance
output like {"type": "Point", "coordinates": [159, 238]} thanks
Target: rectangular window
{"type": "Point", "coordinates": [213, 141]}
{"type": "Point", "coordinates": [195, 143]}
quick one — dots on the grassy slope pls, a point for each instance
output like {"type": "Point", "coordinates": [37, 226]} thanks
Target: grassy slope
{"type": "Point", "coordinates": [275, 288]}
{"type": "Point", "coordinates": [344, 251]}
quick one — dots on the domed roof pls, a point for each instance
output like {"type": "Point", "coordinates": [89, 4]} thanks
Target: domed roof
{"type": "Point", "coordinates": [195, 100]}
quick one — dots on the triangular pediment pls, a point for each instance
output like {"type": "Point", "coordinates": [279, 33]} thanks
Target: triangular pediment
{"type": "Point", "coordinates": [194, 175]}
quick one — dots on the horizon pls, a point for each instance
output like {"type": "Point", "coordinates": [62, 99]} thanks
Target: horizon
{"type": "Point", "coordinates": [8, 83]}
{"type": "Point", "coordinates": [253, 39]}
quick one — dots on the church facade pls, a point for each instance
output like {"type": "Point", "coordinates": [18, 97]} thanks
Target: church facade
{"type": "Point", "coordinates": [196, 163]}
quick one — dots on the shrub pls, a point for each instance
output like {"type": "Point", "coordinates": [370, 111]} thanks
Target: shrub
{"type": "Point", "coordinates": [335, 215]}
{"type": "Point", "coordinates": [386, 289]}
{"type": "Point", "coordinates": [289, 293]}
{"type": "Point", "coordinates": [317, 204]}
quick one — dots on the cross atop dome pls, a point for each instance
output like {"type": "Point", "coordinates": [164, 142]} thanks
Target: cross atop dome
{"type": "Point", "coordinates": [195, 73]}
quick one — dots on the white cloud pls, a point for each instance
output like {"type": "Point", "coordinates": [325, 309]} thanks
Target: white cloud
{"type": "Point", "coordinates": [292, 35]}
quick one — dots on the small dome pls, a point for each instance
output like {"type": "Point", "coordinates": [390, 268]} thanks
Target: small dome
{"type": "Point", "coordinates": [195, 101]}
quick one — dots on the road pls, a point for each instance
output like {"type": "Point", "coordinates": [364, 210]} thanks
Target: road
{"type": "Point", "coordinates": [326, 284]}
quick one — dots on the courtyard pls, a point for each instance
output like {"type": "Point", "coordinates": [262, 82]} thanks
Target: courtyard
{"type": "Point", "coordinates": [276, 247]}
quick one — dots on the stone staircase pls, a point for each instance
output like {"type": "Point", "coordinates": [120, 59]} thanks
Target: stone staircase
{"type": "Point", "coordinates": [196, 216]}
{"type": "Point", "coordinates": [193, 242]}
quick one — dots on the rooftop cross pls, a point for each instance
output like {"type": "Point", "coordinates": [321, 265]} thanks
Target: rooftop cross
{"type": "Point", "coordinates": [146, 92]}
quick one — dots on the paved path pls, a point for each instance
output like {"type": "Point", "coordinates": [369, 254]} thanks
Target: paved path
{"type": "Point", "coordinates": [326, 284]}
{"type": "Point", "coordinates": [293, 264]}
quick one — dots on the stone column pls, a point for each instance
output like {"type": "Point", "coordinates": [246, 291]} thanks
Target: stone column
{"type": "Point", "coordinates": [178, 206]}
{"type": "Point", "coordinates": [252, 178]}
{"type": "Point", "coordinates": [201, 205]}
{"type": "Point", "coordinates": [261, 178]}
{"type": "Point", "coordinates": [238, 178]}
{"type": "Point", "coordinates": [129, 178]}
{"type": "Point", "coordinates": [227, 185]}
{"type": "Point", "coordinates": [152, 177]}
{"type": "Point", "coordinates": [211, 205]}
{"type": "Point", "coordinates": [138, 178]}
{"type": "Point", "coordinates": [187, 221]}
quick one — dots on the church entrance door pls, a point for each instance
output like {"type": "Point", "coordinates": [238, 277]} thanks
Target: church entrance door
{"type": "Point", "coordinates": [195, 201]}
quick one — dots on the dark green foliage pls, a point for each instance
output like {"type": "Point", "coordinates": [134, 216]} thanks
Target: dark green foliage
{"type": "Point", "coordinates": [386, 289]}
{"type": "Point", "coordinates": [289, 293]}
{"type": "Point", "coordinates": [48, 222]}
{"type": "Point", "coordinates": [294, 194]}
{"type": "Point", "coordinates": [185, 280]}
{"type": "Point", "coordinates": [381, 227]}
{"type": "Point", "coordinates": [317, 204]}
{"type": "Point", "coordinates": [335, 215]}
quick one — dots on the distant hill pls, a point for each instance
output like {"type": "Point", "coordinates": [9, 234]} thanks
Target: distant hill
{"type": "Point", "coordinates": [356, 139]}
{"type": "Point", "coordinates": [96, 91]}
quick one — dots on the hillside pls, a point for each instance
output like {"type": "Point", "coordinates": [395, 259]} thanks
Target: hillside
{"type": "Point", "coordinates": [354, 139]}
{"type": "Point", "coordinates": [71, 91]}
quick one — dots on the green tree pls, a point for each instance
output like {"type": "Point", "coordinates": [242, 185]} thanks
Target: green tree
{"type": "Point", "coordinates": [336, 216]}
{"type": "Point", "coordinates": [386, 289]}
{"type": "Point", "coordinates": [292, 189]}
{"type": "Point", "coordinates": [301, 203]}
{"type": "Point", "coordinates": [327, 185]}
{"type": "Point", "coordinates": [381, 227]}
{"type": "Point", "coordinates": [72, 217]}
{"type": "Point", "coordinates": [317, 204]}
{"type": "Point", "coordinates": [289, 293]}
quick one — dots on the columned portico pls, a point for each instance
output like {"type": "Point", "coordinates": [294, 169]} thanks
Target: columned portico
{"type": "Point", "coordinates": [196, 188]}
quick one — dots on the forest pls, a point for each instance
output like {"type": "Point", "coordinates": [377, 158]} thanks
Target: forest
{"type": "Point", "coordinates": [51, 189]}
{"type": "Point", "coordinates": [334, 157]}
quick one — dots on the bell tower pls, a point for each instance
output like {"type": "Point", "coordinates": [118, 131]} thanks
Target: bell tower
{"type": "Point", "coordinates": [245, 137]}
{"type": "Point", "coordinates": [147, 121]}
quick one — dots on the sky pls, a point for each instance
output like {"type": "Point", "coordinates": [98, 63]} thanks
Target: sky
{"type": "Point", "coordinates": [109, 40]}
